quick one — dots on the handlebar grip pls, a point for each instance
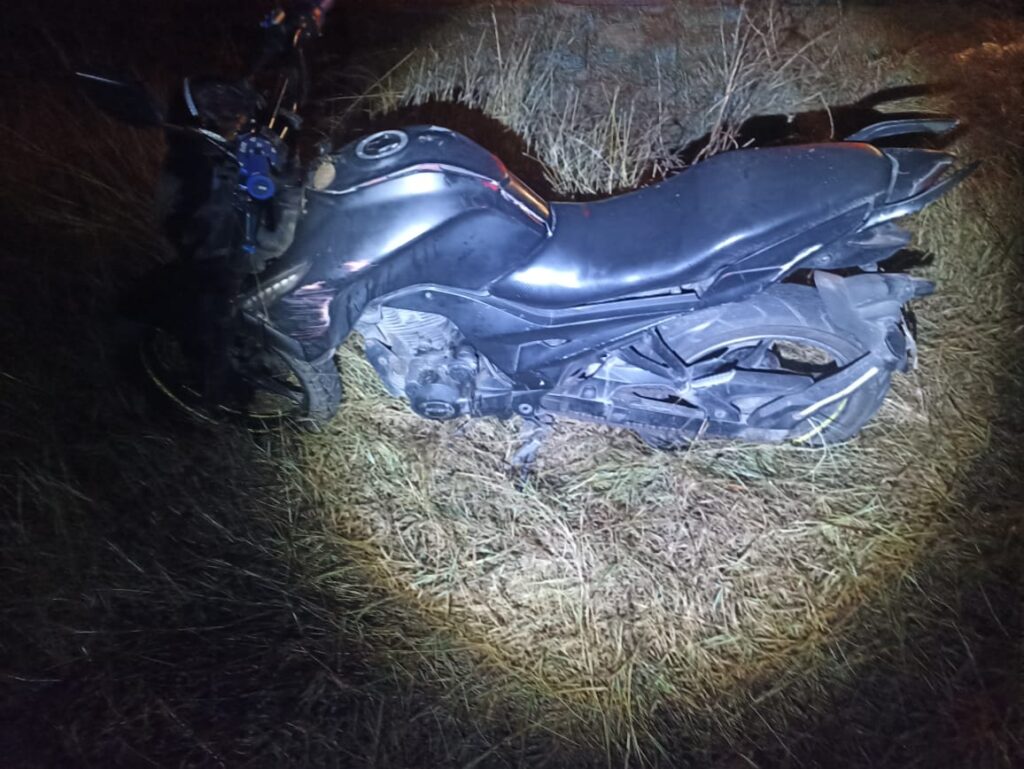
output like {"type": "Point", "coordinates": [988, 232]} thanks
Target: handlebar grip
{"type": "Point", "coordinates": [320, 9]}
{"type": "Point", "coordinates": [288, 28]}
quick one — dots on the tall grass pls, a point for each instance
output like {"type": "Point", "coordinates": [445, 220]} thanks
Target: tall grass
{"type": "Point", "coordinates": [586, 148]}
{"type": "Point", "coordinates": [598, 138]}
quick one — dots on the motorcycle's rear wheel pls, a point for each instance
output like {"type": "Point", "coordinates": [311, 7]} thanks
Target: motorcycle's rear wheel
{"type": "Point", "coordinates": [791, 327]}
{"type": "Point", "coordinates": [263, 392]}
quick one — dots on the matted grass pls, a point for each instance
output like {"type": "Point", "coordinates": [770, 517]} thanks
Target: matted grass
{"type": "Point", "coordinates": [725, 583]}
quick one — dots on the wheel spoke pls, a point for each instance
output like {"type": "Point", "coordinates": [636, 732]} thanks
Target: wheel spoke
{"type": "Point", "coordinates": [733, 382]}
{"type": "Point", "coordinates": [755, 357]}
{"type": "Point", "coordinates": [772, 383]}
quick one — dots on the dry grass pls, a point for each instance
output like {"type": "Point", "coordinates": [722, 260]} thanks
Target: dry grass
{"type": "Point", "coordinates": [620, 130]}
{"type": "Point", "coordinates": [624, 584]}
{"type": "Point", "coordinates": [588, 143]}
{"type": "Point", "coordinates": [385, 595]}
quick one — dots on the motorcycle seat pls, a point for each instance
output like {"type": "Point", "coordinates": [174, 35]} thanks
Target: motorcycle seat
{"type": "Point", "coordinates": [695, 225]}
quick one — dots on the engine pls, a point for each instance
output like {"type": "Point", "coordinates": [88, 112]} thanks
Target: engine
{"type": "Point", "coordinates": [420, 355]}
{"type": "Point", "coordinates": [440, 386]}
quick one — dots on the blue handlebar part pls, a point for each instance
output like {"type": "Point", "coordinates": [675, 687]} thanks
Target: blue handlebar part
{"type": "Point", "coordinates": [257, 157]}
{"type": "Point", "coordinates": [260, 187]}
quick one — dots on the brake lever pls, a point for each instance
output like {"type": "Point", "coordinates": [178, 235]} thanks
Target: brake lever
{"type": "Point", "coordinates": [212, 137]}
{"type": "Point", "coordinates": [291, 119]}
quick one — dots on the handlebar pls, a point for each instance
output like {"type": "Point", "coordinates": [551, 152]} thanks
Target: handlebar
{"type": "Point", "coordinates": [288, 29]}
{"type": "Point", "coordinates": [323, 6]}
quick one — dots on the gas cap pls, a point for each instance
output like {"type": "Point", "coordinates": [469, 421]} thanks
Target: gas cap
{"type": "Point", "coordinates": [382, 144]}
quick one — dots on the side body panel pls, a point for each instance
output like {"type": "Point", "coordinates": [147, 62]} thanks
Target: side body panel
{"type": "Point", "coordinates": [533, 346]}
{"type": "Point", "coordinates": [450, 211]}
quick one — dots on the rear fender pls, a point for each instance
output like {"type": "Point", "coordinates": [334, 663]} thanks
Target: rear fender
{"type": "Point", "coordinates": [870, 308]}
{"type": "Point", "coordinates": [917, 181]}
{"type": "Point", "coordinates": [898, 208]}
{"type": "Point", "coordinates": [867, 247]}
{"type": "Point", "coordinates": [915, 170]}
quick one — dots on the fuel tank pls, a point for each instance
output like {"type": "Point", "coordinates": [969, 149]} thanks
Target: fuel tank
{"type": "Point", "coordinates": [397, 208]}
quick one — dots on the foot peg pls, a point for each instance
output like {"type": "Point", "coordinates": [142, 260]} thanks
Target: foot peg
{"type": "Point", "coordinates": [532, 434]}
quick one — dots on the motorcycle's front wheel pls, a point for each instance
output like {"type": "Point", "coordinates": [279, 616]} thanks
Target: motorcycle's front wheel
{"type": "Point", "coordinates": [787, 330]}
{"type": "Point", "coordinates": [259, 387]}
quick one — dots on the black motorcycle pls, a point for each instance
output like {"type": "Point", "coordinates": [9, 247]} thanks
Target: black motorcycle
{"type": "Point", "coordinates": [741, 298]}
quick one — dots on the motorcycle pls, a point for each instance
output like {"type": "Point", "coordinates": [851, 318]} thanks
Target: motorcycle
{"type": "Point", "coordinates": [744, 297]}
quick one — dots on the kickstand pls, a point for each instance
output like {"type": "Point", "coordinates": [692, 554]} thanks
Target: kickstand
{"type": "Point", "coordinates": [532, 434]}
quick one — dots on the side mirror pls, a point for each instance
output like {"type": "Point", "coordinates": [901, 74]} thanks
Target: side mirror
{"type": "Point", "coordinates": [131, 103]}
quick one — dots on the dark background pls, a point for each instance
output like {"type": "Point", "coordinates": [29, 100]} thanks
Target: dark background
{"type": "Point", "coordinates": [145, 622]}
